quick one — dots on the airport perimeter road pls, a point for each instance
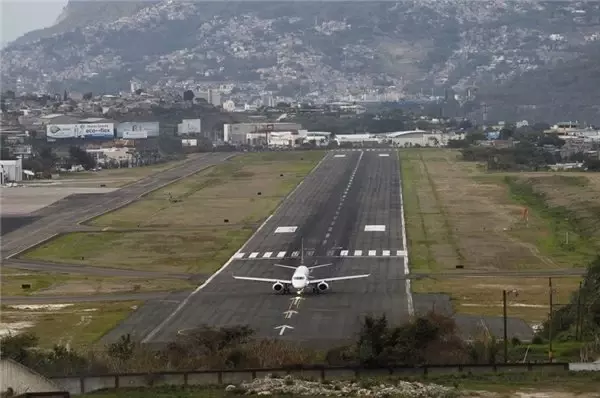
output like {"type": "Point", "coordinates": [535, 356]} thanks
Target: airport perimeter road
{"type": "Point", "coordinates": [66, 213]}
{"type": "Point", "coordinates": [348, 211]}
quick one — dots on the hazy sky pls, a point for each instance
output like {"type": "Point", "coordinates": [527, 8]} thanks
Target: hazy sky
{"type": "Point", "coordinates": [22, 16]}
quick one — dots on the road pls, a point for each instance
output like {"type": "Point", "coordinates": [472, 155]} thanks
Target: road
{"type": "Point", "coordinates": [330, 211]}
{"type": "Point", "coordinates": [65, 214]}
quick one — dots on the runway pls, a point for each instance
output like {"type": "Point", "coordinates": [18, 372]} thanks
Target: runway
{"type": "Point", "coordinates": [348, 212]}
{"type": "Point", "coordinates": [63, 215]}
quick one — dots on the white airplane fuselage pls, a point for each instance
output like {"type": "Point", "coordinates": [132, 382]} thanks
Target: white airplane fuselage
{"type": "Point", "coordinates": [300, 278]}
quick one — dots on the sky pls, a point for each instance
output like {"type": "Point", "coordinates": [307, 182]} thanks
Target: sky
{"type": "Point", "coordinates": [22, 16]}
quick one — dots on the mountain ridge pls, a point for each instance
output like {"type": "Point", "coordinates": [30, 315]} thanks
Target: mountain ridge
{"type": "Point", "coordinates": [308, 49]}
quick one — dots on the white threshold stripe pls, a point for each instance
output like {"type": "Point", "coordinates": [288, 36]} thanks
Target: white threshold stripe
{"type": "Point", "coordinates": [330, 253]}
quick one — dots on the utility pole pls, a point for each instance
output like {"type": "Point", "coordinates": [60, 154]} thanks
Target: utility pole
{"type": "Point", "coordinates": [577, 325]}
{"type": "Point", "coordinates": [505, 327]}
{"type": "Point", "coordinates": [550, 318]}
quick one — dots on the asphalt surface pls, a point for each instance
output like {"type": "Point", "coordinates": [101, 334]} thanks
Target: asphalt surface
{"type": "Point", "coordinates": [64, 214]}
{"type": "Point", "coordinates": [330, 211]}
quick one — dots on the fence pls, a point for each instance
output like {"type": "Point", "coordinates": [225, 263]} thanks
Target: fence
{"type": "Point", "coordinates": [88, 383]}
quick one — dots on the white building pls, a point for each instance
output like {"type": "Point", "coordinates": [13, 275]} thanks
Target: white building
{"type": "Point", "coordinates": [106, 156]}
{"type": "Point", "coordinates": [11, 171]}
{"type": "Point", "coordinates": [237, 133]}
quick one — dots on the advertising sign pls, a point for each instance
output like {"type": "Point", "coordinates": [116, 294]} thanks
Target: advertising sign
{"type": "Point", "coordinates": [93, 130]}
{"type": "Point", "coordinates": [61, 131]}
{"type": "Point", "coordinates": [135, 135]}
{"type": "Point", "coordinates": [191, 126]}
{"type": "Point", "coordinates": [151, 128]}
{"type": "Point", "coordinates": [96, 130]}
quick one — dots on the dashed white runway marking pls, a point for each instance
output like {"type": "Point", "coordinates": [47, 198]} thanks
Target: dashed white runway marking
{"type": "Point", "coordinates": [383, 155]}
{"type": "Point", "coordinates": [286, 230]}
{"type": "Point", "coordinates": [339, 156]}
{"type": "Point", "coordinates": [374, 228]}
{"type": "Point", "coordinates": [336, 252]}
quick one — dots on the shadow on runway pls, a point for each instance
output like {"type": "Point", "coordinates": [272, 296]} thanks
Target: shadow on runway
{"type": "Point", "coordinates": [12, 223]}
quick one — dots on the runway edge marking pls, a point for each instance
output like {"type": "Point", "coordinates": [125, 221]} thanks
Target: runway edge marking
{"type": "Point", "coordinates": [409, 298]}
{"type": "Point", "coordinates": [157, 329]}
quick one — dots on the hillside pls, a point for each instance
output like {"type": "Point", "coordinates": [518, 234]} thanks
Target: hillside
{"type": "Point", "coordinates": [308, 49]}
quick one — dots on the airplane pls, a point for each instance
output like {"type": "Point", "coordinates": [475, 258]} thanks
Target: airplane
{"type": "Point", "coordinates": [301, 279]}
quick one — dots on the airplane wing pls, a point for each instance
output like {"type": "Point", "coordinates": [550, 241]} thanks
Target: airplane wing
{"type": "Point", "coordinates": [249, 278]}
{"type": "Point", "coordinates": [285, 266]}
{"type": "Point", "coordinates": [320, 265]}
{"type": "Point", "coordinates": [338, 278]}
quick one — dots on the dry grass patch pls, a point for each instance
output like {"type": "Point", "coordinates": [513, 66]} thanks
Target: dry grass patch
{"type": "Point", "coordinates": [226, 191]}
{"type": "Point", "coordinates": [567, 206]}
{"type": "Point", "coordinates": [200, 251]}
{"type": "Point", "coordinates": [66, 324]}
{"type": "Point", "coordinates": [483, 295]}
{"type": "Point", "coordinates": [459, 215]}
{"type": "Point", "coordinates": [46, 284]}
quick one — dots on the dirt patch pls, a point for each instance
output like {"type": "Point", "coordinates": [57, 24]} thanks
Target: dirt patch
{"type": "Point", "coordinates": [71, 325]}
{"type": "Point", "coordinates": [527, 298]}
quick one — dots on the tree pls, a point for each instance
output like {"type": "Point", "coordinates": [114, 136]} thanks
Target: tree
{"type": "Point", "coordinates": [81, 157]}
{"type": "Point", "coordinates": [188, 95]}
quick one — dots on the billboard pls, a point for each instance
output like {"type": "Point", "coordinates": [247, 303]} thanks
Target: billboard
{"type": "Point", "coordinates": [134, 135]}
{"type": "Point", "coordinates": [151, 128]}
{"type": "Point", "coordinates": [83, 130]}
{"type": "Point", "coordinates": [190, 126]}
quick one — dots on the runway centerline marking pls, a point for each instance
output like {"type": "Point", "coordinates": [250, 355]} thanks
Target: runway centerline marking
{"type": "Point", "coordinates": [286, 230]}
{"type": "Point", "coordinates": [374, 228]}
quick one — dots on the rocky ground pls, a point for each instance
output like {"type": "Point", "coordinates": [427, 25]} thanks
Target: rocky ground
{"type": "Point", "coordinates": [296, 387]}
{"type": "Point", "coordinates": [290, 386]}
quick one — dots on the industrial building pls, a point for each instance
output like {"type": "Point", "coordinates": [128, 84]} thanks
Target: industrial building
{"type": "Point", "coordinates": [237, 134]}
{"type": "Point", "coordinates": [400, 138]}
{"type": "Point", "coordinates": [11, 171]}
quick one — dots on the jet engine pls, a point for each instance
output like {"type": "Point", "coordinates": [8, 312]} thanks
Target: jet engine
{"type": "Point", "coordinates": [278, 286]}
{"type": "Point", "coordinates": [322, 286]}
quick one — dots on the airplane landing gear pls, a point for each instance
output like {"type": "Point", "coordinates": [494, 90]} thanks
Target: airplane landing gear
{"type": "Point", "coordinates": [286, 289]}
